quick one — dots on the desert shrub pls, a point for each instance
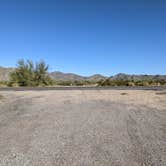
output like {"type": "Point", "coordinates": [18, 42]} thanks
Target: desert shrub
{"type": "Point", "coordinates": [3, 83]}
{"type": "Point", "coordinates": [90, 82]}
{"type": "Point", "coordinates": [63, 83]}
{"type": "Point", "coordinates": [109, 82]}
{"type": "Point", "coordinates": [162, 82]}
{"type": "Point", "coordinates": [23, 75]}
{"type": "Point", "coordinates": [130, 83]}
{"type": "Point", "coordinates": [28, 74]}
{"type": "Point", "coordinates": [41, 77]}
{"type": "Point", "coordinates": [75, 82]}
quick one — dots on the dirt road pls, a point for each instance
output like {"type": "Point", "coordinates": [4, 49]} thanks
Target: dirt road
{"type": "Point", "coordinates": [83, 128]}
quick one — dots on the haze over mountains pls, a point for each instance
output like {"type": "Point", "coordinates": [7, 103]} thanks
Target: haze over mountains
{"type": "Point", "coordinates": [60, 76]}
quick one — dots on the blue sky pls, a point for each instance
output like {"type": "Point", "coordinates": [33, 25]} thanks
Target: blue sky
{"type": "Point", "coordinates": [85, 36]}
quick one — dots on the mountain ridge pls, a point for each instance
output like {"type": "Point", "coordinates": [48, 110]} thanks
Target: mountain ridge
{"type": "Point", "coordinates": [60, 76]}
{"type": "Point", "coordinates": [56, 75]}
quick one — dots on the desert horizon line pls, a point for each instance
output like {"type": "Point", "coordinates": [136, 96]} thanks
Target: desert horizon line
{"type": "Point", "coordinates": [52, 70]}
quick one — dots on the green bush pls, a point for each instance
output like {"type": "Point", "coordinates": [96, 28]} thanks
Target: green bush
{"type": "Point", "coordinates": [109, 82]}
{"type": "Point", "coordinates": [3, 83]}
{"type": "Point", "coordinates": [28, 74]}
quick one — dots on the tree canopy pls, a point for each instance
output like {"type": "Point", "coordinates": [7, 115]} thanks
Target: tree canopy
{"type": "Point", "coordinates": [29, 74]}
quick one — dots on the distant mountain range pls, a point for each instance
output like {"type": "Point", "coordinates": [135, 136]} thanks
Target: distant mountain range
{"type": "Point", "coordinates": [59, 76]}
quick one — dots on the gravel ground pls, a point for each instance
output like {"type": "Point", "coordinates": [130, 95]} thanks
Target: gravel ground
{"type": "Point", "coordinates": [83, 128]}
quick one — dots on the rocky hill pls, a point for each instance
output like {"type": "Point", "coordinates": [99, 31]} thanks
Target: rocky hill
{"type": "Point", "coordinates": [59, 76]}
{"type": "Point", "coordinates": [96, 77]}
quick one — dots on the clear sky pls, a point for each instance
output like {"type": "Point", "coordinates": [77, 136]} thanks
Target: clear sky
{"type": "Point", "coordinates": [85, 36]}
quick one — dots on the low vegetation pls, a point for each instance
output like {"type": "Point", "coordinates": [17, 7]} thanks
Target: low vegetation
{"type": "Point", "coordinates": [3, 83]}
{"type": "Point", "coordinates": [77, 83]}
{"type": "Point", "coordinates": [28, 73]}
{"type": "Point", "coordinates": [110, 82]}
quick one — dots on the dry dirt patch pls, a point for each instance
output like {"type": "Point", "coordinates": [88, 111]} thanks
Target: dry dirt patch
{"type": "Point", "coordinates": [1, 97]}
{"type": "Point", "coordinates": [81, 127]}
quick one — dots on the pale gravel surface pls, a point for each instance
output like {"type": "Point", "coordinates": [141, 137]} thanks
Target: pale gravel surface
{"type": "Point", "coordinates": [82, 128]}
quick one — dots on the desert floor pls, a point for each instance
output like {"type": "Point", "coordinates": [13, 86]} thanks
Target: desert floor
{"type": "Point", "coordinates": [83, 128]}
